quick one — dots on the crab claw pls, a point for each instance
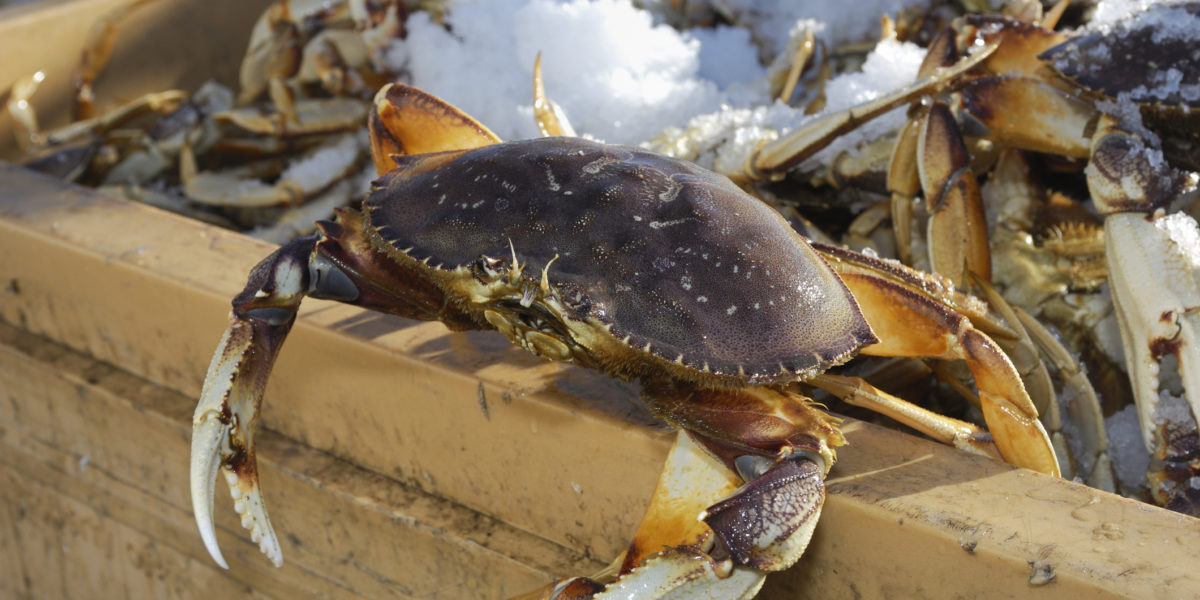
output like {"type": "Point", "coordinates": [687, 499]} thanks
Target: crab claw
{"type": "Point", "coordinates": [223, 436]}
{"type": "Point", "coordinates": [668, 558]}
{"type": "Point", "coordinates": [225, 419]}
{"type": "Point", "coordinates": [1144, 254]}
{"type": "Point", "coordinates": [1149, 250]}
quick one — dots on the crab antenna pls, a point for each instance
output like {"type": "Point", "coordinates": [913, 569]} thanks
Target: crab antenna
{"type": "Point", "coordinates": [545, 280]}
{"type": "Point", "coordinates": [515, 270]}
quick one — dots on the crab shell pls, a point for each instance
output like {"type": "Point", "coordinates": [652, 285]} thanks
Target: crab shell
{"type": "Point", "coordinates": [667, 269]}
{"type": "Point", "coordinates": [1149, 63]}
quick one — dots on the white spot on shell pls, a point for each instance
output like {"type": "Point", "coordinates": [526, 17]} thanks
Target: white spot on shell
{"type": "Point", "coordinates": [685, 282]}
{"type": "Point", "coordinates": [662, 224]}
{"type": "Point", "coordinates": [702, 299]}
{"type": "Point", "coordinates": [731, 310]}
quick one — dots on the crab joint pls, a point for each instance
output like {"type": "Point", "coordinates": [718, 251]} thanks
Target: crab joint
{"type": "Point", "coordinates": [769, 521]}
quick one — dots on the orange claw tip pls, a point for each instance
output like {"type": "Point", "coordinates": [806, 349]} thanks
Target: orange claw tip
{"type": "Point", "coordinates": [406, 120]}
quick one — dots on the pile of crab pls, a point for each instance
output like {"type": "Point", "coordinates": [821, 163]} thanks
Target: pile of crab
{"type": "Point", "coordinates": [287, 148]}
{"type": "Point", "coordinates": [1051, 174]}
{"type": "Point", "coordinates": [1032, 211]}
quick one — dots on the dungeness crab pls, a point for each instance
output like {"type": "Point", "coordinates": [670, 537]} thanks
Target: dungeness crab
{"type": "Point", "coordinates": [643, 267]}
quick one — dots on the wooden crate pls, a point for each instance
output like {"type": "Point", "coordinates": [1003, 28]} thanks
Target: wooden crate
{"type": "Point", "coordinates": [402, 460]}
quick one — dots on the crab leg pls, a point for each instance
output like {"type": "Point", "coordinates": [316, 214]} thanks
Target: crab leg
{"type": "Point", "coordinates": [1057, 125]}
{"type": "Point", "coordinates": [406, 120]}
{"type": "Point", "coordinates": [335, 264]}
{"type": "Point", "coordinates": [706, 534]}
{"type": "Point", "coordinates": [779, 442]}
{"type": "Point", "coordinates": [960, 434]}
{"type": "Point", "coordinates": [910, 320]}
{"type": "Point", "coordinates": [551, 120]}
{"type": "Point", "coordinates": [958, 237]}
{"type": "Point", "coordinates": [775, 158]}
{"type": "Point", "coordinates": [224, 423]}
{"type": "Point", "coordinates": [903, 183]}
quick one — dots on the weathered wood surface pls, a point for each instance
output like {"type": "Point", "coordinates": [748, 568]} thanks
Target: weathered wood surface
{"type": "Point", "coordinates": [96, 504]}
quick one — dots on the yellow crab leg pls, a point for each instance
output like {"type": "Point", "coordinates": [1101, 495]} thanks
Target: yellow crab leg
{"type": "Point", "coordinates": [903, 183]}
{"type": "Point", "coordinates": [773, 159]}
{"type": "Point", "coordinates": [911, 318]}
{"type": "Point", "coordinates": [958, 235]}
{"type": "Point", "coordinates": [947, 430]}
{"type": "Point", "coordinates": [549, 116]}
{"type": "Point", "coordinates": [1029, 114]}
{"type": "Point", "coordinates": [406, 120]}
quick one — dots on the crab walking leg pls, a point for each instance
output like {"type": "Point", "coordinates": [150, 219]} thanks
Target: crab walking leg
{"type": "Point", "coordinates": [957, 237]}
{"type": "Point", "coordinates": [910, 321]}
{"type": "Point", "coordinates": [960, 434]}
{"type": "Point", "coordinates": [903, 183]}
{"type": "Point", "coordinates": [224, 423]}
{"type": "Point", "coordinates": [775, 158]}
{"type": "Point", "coordinates": [550, 118]}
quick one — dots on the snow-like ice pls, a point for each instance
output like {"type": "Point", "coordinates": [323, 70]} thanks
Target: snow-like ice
{"type": "Point", "coordinates": [618, 74]}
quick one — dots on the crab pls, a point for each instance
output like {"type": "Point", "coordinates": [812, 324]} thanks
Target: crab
{"type": "Point", "coordinates": [645, 268]}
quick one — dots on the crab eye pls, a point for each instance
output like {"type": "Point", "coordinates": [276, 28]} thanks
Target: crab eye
{"type": "Point", "coordinates": [485, 267]}
{"type": "Point", "coordinates": [575, 297]}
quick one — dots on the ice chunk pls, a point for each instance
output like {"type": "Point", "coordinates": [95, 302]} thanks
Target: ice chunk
{"type": "Point", "coordinates": [835, 23]}
{"type": "Point", "coordinates": [727, 57]}
{"type": "Point", "coordinates": [616, 74]}
{"type": "Point", "coordinates": [1182, 229]}
{"type": "Point", "coordinates": [1126, 448]}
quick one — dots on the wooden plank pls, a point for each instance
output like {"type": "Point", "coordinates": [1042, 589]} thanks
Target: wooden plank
{"type": "Point", "coordinates": [93, 482]}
